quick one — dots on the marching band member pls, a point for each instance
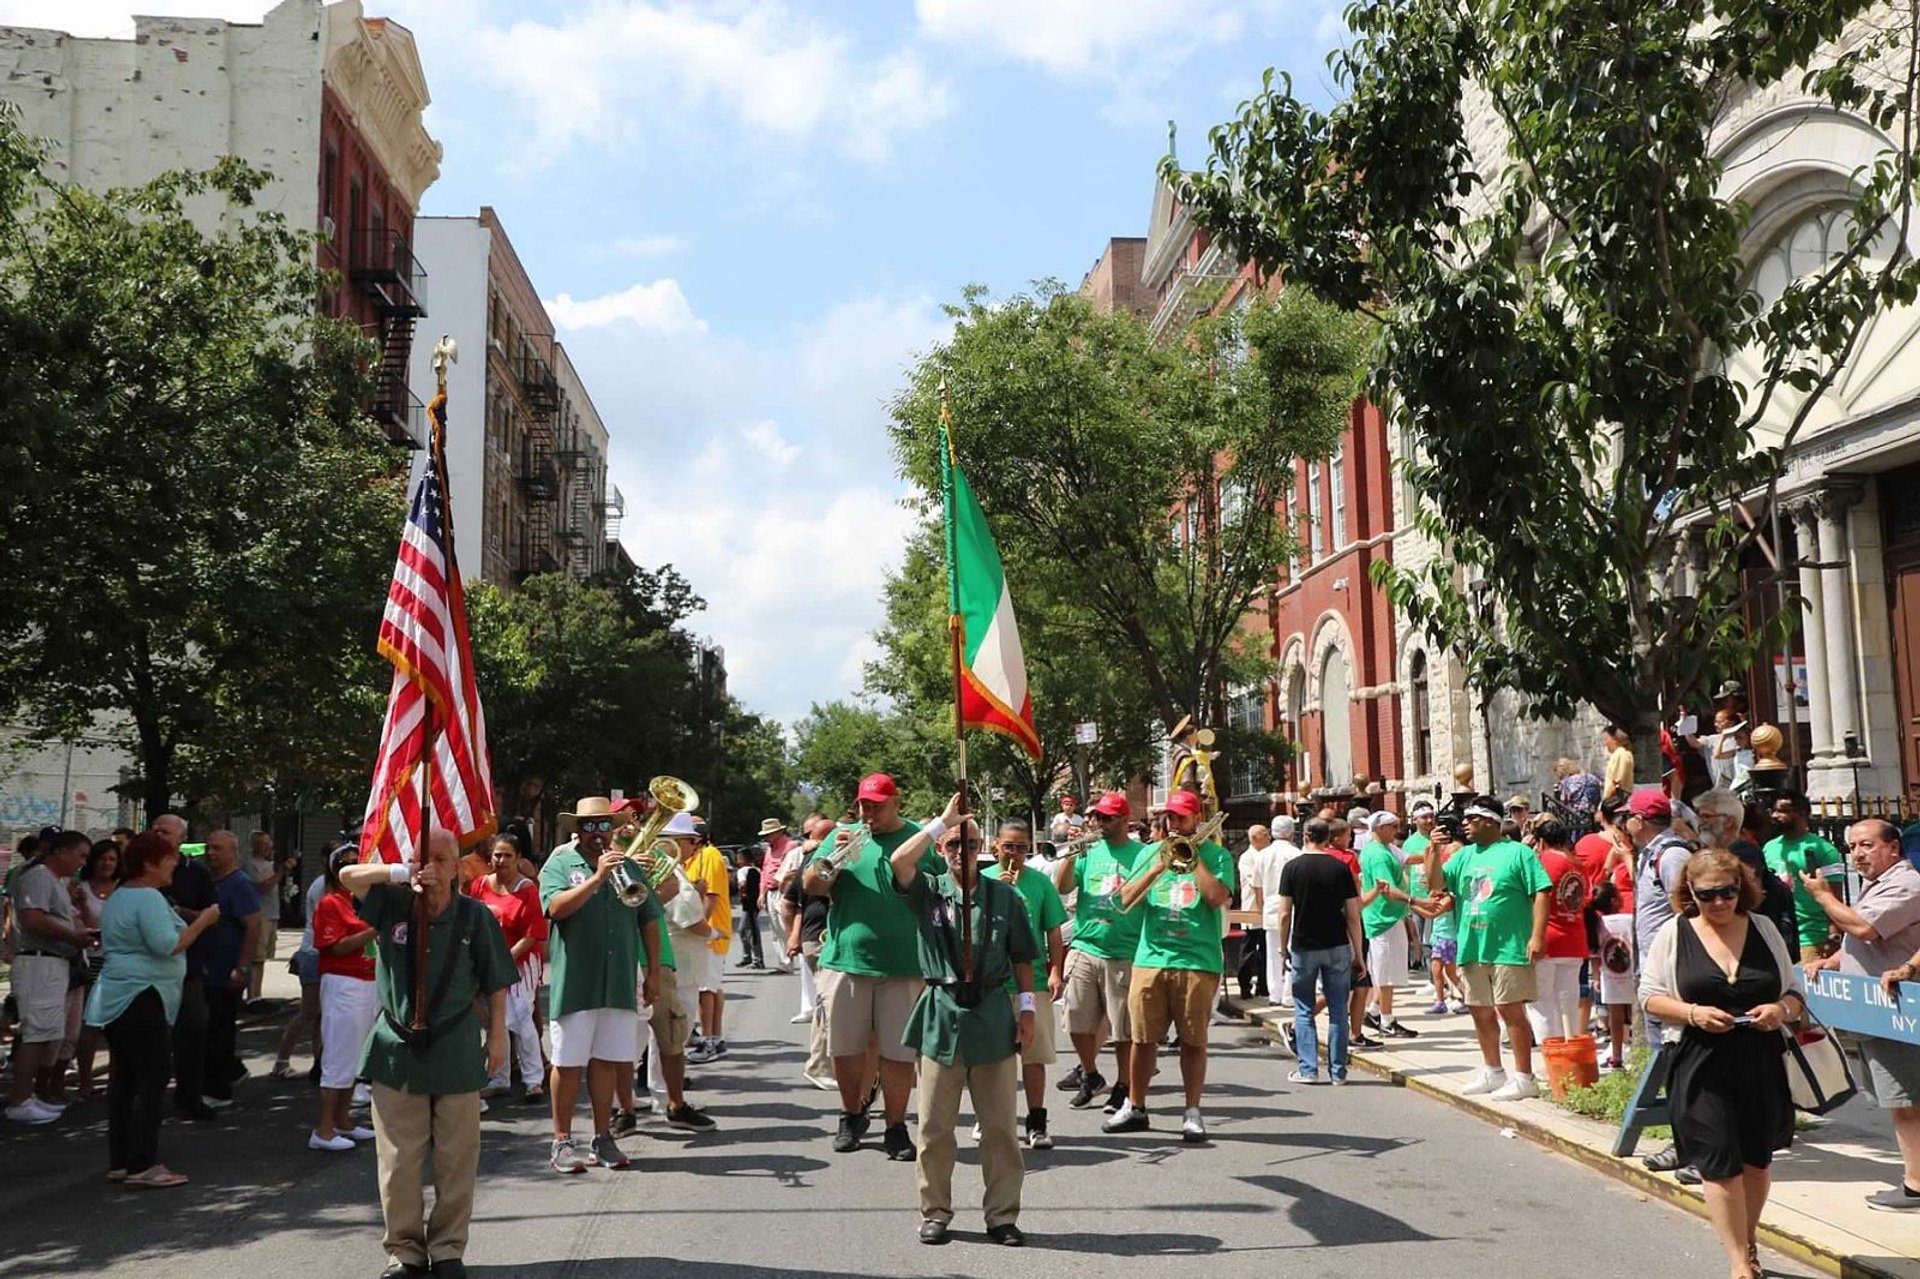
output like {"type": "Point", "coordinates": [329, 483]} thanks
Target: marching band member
{"type": "Point", "coordinates": [870, 965]}
{"type": "Point", "coordinates": [969, 1034]}
{"type": "Point", "coordinates": [1176, 969]}
{"type": "Point", "coordinates": [1099, 961]}
{"type": "Point", "coordinates": [1046, 913]}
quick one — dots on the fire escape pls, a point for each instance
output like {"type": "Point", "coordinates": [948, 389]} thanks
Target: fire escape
{"type": "Point", "coordinates": [385, 269]}
{"type": "Point", "coordinates": [538, 481]}
{"type": "Point", "coordinates": [578, 467]}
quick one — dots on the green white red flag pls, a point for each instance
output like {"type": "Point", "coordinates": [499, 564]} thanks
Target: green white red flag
{"type": "Point", "coordinates": [992, 687]}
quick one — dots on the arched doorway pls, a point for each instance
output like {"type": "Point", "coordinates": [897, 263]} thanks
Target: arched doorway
{"type": "Point", "coordinates": [1336, 723]}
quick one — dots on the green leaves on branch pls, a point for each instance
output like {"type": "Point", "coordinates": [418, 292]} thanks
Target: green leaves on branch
{"type": "Point", "coordinates": [1527, 197]}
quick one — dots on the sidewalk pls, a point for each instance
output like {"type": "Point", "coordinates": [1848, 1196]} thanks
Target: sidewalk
{"type": "Point", "coordinates": [1817, 1211]}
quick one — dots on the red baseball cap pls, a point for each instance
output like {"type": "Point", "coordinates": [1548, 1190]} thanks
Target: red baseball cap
{"type": "Point", "coordinates": [1650, 802]}
{"type": "Point", "coordinates": [1113, 804]}
{"type": "Point", "coordinates": [876, 788]}
{"type": "Point", "coordinates": [1184, 802]}
{"type": "Point", "coordinates": [622, 805]}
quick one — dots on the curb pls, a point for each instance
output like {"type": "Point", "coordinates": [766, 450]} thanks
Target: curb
{"type": "Point", "coordinates": [1652, 1184]}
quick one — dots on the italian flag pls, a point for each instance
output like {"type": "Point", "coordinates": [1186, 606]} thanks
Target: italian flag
{"type": "Point", "coordinates": [991, 684]}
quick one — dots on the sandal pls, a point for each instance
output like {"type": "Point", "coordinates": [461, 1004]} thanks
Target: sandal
{"type": "Point", "coordinates": [156, 1178]}
{"type": "Point", "coordinates": [1753, 1261]}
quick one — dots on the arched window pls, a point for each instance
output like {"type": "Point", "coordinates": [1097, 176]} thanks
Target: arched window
{"type": "Point", "coordinates": [1422, 697]}
{"type": "Point", "coordinates": [1808, 246]}
{"type": "Point", "coordinates": [1336, 722]}
{"type": "Point", "coordinates": [1296, 708]}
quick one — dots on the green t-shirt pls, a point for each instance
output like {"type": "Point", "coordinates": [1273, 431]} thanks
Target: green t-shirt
{"type": "Point", "coordinates": [1178, 928]}
{"type": "Point", "coordinates": [869, 930]}
{"type": "Point", "coordinates": [1100, 927]}
{"type": "Point", "coordinates": [1495, 887]}
{"type": "Point", "coordinates": [1045, 911]}
{"type": "Point", "coordinates": [939, 1027]}
{"type": "Point", "coordinates": [594, 954]}
{"type": "Point", "coordinates": [455, 1060]}
{"type": "Point", "coordinates": [1380, 864]}
{"type": "Point", "coordinates": [1788, 858]}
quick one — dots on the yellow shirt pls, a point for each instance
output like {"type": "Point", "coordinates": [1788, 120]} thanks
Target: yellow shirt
{"type": "Point", "coordinates": [1619, 772]}
{"type": "Point", "coordinates": [708, 871]}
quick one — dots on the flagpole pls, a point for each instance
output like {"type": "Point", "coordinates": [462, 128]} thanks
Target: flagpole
{"type": "Point", "coordinates": [444, 353]}
{"type": "Point", "coordinates": [956, 644]}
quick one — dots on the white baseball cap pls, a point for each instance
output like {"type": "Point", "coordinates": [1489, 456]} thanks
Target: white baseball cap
{"type": "Point", "coordinates": [681, 824]}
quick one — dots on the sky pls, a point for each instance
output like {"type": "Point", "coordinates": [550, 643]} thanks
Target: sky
{"type": "Point", "coordinates": [746, 215]}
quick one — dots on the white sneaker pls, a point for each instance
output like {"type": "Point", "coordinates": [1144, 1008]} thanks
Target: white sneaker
{"type": "Point", "coordinates": [31, 1111]}
{"type": "Point", "coordinates": [358, 1134]}
{"type": "Point", "coordinates": [362, 1096]}
{"type": "Point", "coordinates": [1302, 1077]}
{"type": "Point", "coordinates": [1517, 1088]}
{"type": "Point", "coordinates": [54, 1108]}
{"type": "Point", "coordinates": [337, 1142]}
{"type": "Point", "coordinates": [1488, 1080]}
{"type": "Point", "coordinates": [1457, 1005]}
{"type": "Point", "coordinates": [799, 1019]}
{"type": "Point", "coordinates": [1192, 1126]}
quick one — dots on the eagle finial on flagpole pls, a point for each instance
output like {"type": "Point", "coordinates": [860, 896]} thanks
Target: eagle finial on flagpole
{"type": "Point", "coordinates": [445, 352]}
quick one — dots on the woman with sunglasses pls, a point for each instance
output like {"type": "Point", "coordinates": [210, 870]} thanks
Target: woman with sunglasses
{"type": "Point", "coordinates": [1721, 982]}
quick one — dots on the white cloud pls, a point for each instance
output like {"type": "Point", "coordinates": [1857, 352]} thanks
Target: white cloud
{"type": "Point", "coordinates": [647, 246]}
{"type": "Point", "coordinates": [1090, 38]}
{"type": "Point", "coordinates": [765, 439]}
{"type": "Point", "coordinates": [615, 68]}
{"type": "Point", "coordinates": [660, 307]}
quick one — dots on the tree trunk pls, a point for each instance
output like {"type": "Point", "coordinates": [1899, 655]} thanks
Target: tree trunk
{"type": "Point", "coordinates": [156, 768]}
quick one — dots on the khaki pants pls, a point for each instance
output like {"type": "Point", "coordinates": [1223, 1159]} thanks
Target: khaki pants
{"type": "Point", "coordinates": [408, 1130]}
{"type": "Point", "coordinates": [819, 1061]}
{"type": "Point", "coordinates": [992, 1089]}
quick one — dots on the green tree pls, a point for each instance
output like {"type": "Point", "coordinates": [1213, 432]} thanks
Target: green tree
{"type": "Point", "coordinates": [1556, 319]}
{"type": "Point", "coordinates": [837, 743]}
{"type": "Point", "coordinates": [1140, 481]}
{"type": "Point", "coordinates": [199, 519]}
{"type": "Point", "coordinates": [1076, 670]}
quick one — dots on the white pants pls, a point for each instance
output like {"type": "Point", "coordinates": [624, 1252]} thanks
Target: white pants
{"type": "Point", "coordinates": [809, 993]}
{"type": "Point", "coordinates": [1556, 1013]}
{"type": "Point", "coordinates": [1276, 967]}
{"type": "Point", "coordinates": [526, 1038]}
{"type": "Point", "coordinates": [348, 1008]}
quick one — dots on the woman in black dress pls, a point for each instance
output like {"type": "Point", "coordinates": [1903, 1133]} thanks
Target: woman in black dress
{"type": "Point", "coordinates": [1721, 982]}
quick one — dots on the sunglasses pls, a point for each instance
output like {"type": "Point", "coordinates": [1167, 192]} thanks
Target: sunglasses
{"type": "Point", "coordinates": [1724, 893]}
{"type": "Point", "coordinates": [600, 825]}
{"type": "Point", "coordinates": [1008, 845]}
{"type": "Point", "coordinates": [954, 845]}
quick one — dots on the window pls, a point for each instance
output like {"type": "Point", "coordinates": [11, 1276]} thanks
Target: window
{"type": "Point", "coordinates": [1296, 707]}
{"type": "Point", "coordinates": [1233, 502]}
{"type": "Point", "coordinates": [356, 217]}
{"type": "Point", "coordinates": [329, 175]}
{"type": "Point", "coordinates": [1337, 485]}
{"type": "Point", "coordinates": [1246, 710]}
{"type": "Point", "coordinates": [1314, 523]}
{"type": "Point", "coordinates": [1422, 697]}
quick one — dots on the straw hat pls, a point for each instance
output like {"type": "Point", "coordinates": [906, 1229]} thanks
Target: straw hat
{"type": "Point", "coordinates": [592, 806]}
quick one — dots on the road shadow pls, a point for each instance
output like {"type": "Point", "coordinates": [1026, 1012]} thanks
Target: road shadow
{"type": "Point", "coordinates": [654, 1268]}
{"type": "Point", "coordinates": [1140, 1243]}
{"type": "Point", "coordinates": [1332, 1220]}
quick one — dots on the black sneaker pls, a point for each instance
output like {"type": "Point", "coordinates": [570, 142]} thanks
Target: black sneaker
{"type": "Point", "coordinates": [1361, 1041]}
{"type": "Point", "coordinates": [1073, 1079]}
{"type": "Point", "coordinates": [685, 1116]}
{"type": "Point", "coordinates": [1037, 1136]}
{"type": "Point", "coordinates": [624, 1124]}
{"type": "Point", "coordinates": [1089, 1089]}
{"type": "Point", "coordinates": [897, 1144]}
{"type": "Point", "coordinates": [1115, 1099]}
{"type": "Point", "coordinates": [1007, 1235]}
{"type": "Point", "coordinates": [852, 1128]}
{"type": "Point", "coordinates": [1372, 1020]}
{"type": "Point", "coordinates": [1398, 1030]}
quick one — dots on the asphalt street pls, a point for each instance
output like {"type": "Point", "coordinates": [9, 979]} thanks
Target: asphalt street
{"type": "Point", "coordinates": [1365, 1182]}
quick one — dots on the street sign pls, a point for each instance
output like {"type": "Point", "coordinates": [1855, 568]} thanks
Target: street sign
{"type": "Point", "coordinates": [1086, 733]}
{"type": "Point", "coordinates": [1848, 1002]}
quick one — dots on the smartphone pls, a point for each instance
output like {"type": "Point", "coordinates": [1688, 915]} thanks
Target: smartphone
{"type": "Point", "coordinates": [1743, 1019]}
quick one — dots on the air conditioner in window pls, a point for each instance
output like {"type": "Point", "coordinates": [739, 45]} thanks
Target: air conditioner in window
{"type": "Point", "coordinates": [326, 226]}
{"type": "Point", "coordinates": [495, 345]}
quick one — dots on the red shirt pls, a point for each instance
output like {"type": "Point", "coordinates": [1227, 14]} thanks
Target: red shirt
{"type": "Point", "coordinates": [518, 912]}
{"type": "Point", "coordinates": [1592, 852]}
{"type": "Point", "coordinates": [1566, 905]}
{"type": "Point", "coordinates": [333, 920]}
{"type": "Point", "coordinates": [1347, 857]}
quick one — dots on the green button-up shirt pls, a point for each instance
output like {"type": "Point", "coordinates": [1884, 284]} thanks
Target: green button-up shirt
{"type": "Point", "coordinates": [594, 954]}
{"type": "Point", "coordinates": [455, 1061]}
{"type": "Point", "coordinates": [939, 1026]}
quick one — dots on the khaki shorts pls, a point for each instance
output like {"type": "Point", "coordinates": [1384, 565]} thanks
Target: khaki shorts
{"type": "Point", "coordinates": [1096, 988]}
{"type": "Point", "coordinates": [269, 937]}
{"type": "Point", "coordinates": [40, 992]}
{"type": "Point", "coordinates": [1491, 985]}
{"type": "Point", "coordinates": [1041, 1051]}
{"type": "Point", "coordinates": [1177, 997]}
{"type": "Point", "coordinates": [668, 1016]}
{"type": "Point", "coordinates": [864, 1008]}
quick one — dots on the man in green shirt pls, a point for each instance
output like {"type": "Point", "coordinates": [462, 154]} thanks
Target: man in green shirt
{"type": "Point", "coordinates": [426, 1084]}
{"type": "Point", "coordinates": [593, 957]}
{"type": "Point", "coordinates": [870, 965]}
{"type": "Point", "coordinates": [1046, 912]}
{"type": "Point", "coordinates": [1794, 852]}
{"type": "Point", "coordinates": [967, 1028]}
{"type": "Point", "coordinates": [1385, 889]}
{"type": "Point", "coordinates": [1177, 965]}
{"type": "Point", "coordinates": [1099, 963]}
{"type": "Point", "coordinates": [1502, 893]}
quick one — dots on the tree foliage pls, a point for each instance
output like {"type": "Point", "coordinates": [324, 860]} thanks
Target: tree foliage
{"type": "Point", "coordinates": [199, 519]}
{"type": "Point", "coordinates": [1084, 440]}
{"type": "Point", "coordinates": [1556, 319]}
{"type": "Point", "coordinates": [837, 743]}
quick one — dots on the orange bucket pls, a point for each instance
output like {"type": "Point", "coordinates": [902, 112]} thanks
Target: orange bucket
{"type": "Point", "coordinates": [1571, 1063]}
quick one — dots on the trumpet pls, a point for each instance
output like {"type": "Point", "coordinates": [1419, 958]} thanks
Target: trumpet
{"type": "Point", "coordinates": [1180, 852]}
{"type": "Point", "coordinates": [854, 843]}
{"type": "Point", "coordinates": [649, 860]}
{"type": "Point", "coordinates": [1078, 844]}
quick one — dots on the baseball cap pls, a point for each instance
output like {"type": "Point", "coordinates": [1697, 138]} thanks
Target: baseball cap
{"type": "Point", "coordinates": [1113, 804]}
{"type": "Point", "coordinates": [622, 805]}
{"type": "Point", "coordinates": [876, 788]}
{"type": "Point", "coordinates": [1383, 818]}
{"type": "Point", "coordinates": [1184, 802]}
{"type": "Point", "coordinates": [1650, 802]}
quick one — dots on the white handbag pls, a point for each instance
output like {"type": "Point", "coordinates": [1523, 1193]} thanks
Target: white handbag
{"type": "Point", "coordinates": [1818, 1077]}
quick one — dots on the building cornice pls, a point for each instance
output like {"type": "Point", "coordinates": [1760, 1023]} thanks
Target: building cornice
{"type": "Point", "coordinates": [374, 69]}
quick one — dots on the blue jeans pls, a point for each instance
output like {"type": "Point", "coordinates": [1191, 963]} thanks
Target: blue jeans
{"type": "Point", "coordinates": [1333, 969]}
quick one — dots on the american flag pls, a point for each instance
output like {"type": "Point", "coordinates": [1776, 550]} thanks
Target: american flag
{"type": "Point", "coordinates": [433, 700]}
